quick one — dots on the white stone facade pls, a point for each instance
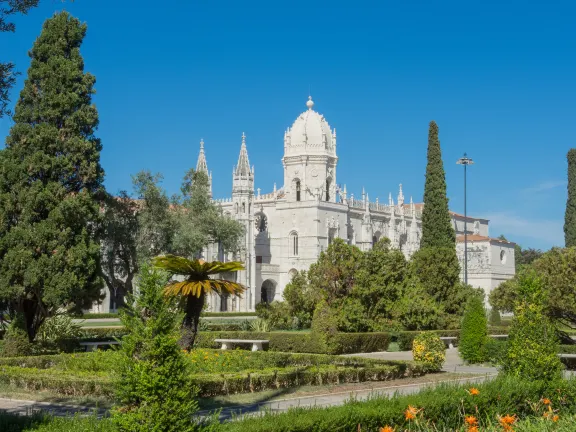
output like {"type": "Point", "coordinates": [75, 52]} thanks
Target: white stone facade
{"type": "Point", "coordinates": [287, 229]}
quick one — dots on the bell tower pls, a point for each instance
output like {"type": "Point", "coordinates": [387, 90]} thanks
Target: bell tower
{"type": "Point", "coordinates": [310, 158]}
{"type": "Point", "coordinates": [243, 202]}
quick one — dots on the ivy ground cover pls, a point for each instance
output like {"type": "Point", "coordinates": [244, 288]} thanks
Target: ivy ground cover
{"type": "Point", "coordinates": [215, 372]}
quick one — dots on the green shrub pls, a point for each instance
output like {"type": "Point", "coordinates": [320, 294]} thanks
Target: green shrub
{"type": "Point", "coordinates": [98, 334]}
{"type": "Point", "coordinates": [429, 349]}
{"type": "Point", "coordinates": [532, 343]}
{"type": "Point", "coordinates": [97, 315]}
{"type": "Point", "coordinates": [494, 350]}
{"type": "Point", "coordinates": [442, 405]}
{"type": "Point", "coordinates": [474, 331]}
{"type": "Point", "coordinates": [153, 383]}
{"type": "Point", "coordinates": [324, 327]}
{"type": "Point", "coordinates": [16, 342]}
{"type": "Point", "coordinates": [260, 325]}
{"type": "Point", "coordinates": [494, 318]}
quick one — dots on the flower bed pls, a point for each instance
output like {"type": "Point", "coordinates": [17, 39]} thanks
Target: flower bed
{"type": "Point", "coordinates": [442, 408]}
{"type": "Point", "coordinates": [215, 372]}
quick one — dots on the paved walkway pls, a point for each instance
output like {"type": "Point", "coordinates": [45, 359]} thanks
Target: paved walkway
{"type": "Point", "coordinates": [26, 407]}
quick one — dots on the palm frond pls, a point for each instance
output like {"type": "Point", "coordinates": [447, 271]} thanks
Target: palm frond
{"type": "Point", "coordinates": [195, 288]}
{"type": "Point", "coordinates": [194, 268]}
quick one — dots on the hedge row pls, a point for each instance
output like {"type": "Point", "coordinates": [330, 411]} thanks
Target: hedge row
{"type": "Point", "coordinates": [344, 343]}
{"type": "Point", "coordinates": [214, 385]}
{"type": "Point", "coordinates": [264, 359]}
{"type": "Point", "coordinates": [98, 315]}
{"type": "Point", "coordinates": [442, 406]}
{"type": "Point", "coordinates": [77, 384]}
{"type": "Point", "coordinates": [90, 383]}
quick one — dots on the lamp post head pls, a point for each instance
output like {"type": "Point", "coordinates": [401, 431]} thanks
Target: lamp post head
{"type": "Point", "coordinates": [465, 160]}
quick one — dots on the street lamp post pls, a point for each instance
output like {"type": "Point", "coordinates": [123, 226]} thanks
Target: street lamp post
{"type": "Point", "coordinates": [465, 160]}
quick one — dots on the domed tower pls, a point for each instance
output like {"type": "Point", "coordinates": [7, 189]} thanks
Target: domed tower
{"type": "Point", "coordinates": [310, 158]}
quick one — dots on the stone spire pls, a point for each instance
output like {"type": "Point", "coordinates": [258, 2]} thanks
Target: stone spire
{"type": "Point", "coordinates": [390, 200]}
{"type": "Point", "coordinates": [243, 167]}
{"type": "Point", "coordinates": [201, 165]}
{"type": "Point", "coordinates": [400, 197]}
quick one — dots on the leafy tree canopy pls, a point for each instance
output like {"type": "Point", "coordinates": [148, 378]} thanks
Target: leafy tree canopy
{"type": "Point", "coordinates": [557, 271]}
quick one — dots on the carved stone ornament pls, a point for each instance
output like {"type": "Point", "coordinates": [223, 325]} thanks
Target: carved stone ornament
{"type": "Point", "coordinates": [332, 222]}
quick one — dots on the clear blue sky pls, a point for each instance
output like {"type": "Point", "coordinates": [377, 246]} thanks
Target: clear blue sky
{"type": "Point", "coordinates": [497, 76]}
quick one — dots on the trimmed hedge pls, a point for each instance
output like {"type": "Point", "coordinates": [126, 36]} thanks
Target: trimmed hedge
{"type": "Point", "coordinates": [442, 406]}
{"type": "Point", "coordinates": [91, 315]}
{"type": "Point", "coordinates": [344, 343]}
{"type": "Point", "coordinates": [60, 382]}
{"type": "Point", "coordinates": [214, 385]}
{"type": "Point", "coordinates": [229, 314]}
{"type": "Point", "coordinates": [42, 373]}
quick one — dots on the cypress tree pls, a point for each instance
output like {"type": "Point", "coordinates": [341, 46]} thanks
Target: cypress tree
{"type": "Point", "coordinates": [570, 216]}
{"type": "Point", "coordinates": [437, 229]}
{"type": "Point", "coordinates": [50, 183]}
{"type": "Point", "coordinates": [473, 331]}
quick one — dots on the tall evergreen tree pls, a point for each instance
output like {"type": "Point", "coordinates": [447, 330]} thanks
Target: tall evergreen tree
{"type": "Point", "coordinates": [570, 216]}
{"type": "Point", "coordinates": [437, 230]}
{"type": "Point", "coordinates": [51, 181]}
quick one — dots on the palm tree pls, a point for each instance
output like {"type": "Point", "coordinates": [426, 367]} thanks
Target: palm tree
{"type": "Point", "coordinates": [195, 286]}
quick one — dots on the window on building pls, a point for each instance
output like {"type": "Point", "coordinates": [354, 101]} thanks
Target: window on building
{"type": "Point", "coordinates": [374, 241]}
{"type": "Point", "coordinates": [297, 190]}
{"type": "Point", "coordinates": [220, 252]}
{"type": "Point", "coordinates": [243, 208]}
{"type": "Point", "coordinates": [223, 302]}
{"type": "Point", "coordinates": [294, 244]}
{"type": "Point", "coordinates": [258, 259]}
{"type": "Point", "coordinates": [327, 189]}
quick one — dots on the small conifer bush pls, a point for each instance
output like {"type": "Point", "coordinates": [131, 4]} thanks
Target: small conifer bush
{"type": "Point", "coordinates": [154, 381]}
{"type": "Point", "coordinates": [495, 319]}
{"type": "Point", "coordinates": [429, 349]}
{"type": "Point", "coordinates": [474, 331]}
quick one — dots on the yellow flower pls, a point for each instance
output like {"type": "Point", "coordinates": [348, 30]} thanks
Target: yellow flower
{"type": "Point", "coordinates": [546, 401]}
{"type": "Point", "coordinates": [471, 420]}
{"type": "Point", "coordinates": [387, 429]}
{"type": "Point", "coordinates": [474, 391]}
{"type": "Point", "coordinates": [555, 418]}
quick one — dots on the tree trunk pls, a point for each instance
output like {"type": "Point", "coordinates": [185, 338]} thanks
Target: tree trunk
{"type": "Point", "coordinates": [194, 307]}
{"type": "Point", "coordinates": [33, 317]}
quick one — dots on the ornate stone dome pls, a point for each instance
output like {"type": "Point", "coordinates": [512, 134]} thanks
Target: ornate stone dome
{"type": "Point", "coordinates": [310, 134]}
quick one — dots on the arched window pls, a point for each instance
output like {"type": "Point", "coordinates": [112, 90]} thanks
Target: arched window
{"type": "Point", "coordinates": [374, 241]}
{"type": "Point", "coordinates": [297, 190]}
{"type": "Point", "coordinates": [327, 189]}
{"type": "Point", "coordinates": [294, 244]}
{"type": "Point", "coordinates": [243, 208]}
{"type": "Point", "coordinates": [236, 207]}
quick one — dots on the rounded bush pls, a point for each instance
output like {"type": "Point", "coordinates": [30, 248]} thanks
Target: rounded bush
{"type": "Point", "coordinates": [428, 349]}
